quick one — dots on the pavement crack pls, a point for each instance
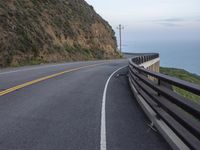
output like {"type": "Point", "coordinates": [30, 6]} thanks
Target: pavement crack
{"type": "Point", "coordinates": [152, 127]}
{"type": "Point", "coordinates": [121, 75]}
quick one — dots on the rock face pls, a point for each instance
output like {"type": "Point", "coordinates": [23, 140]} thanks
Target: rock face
{"type": "Point", "coordinates": [42, 31]}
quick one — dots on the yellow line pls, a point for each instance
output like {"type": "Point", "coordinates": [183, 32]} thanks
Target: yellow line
{"type": "Point", "coordinates": [12, 89]}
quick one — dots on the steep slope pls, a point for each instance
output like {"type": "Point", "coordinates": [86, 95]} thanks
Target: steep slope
{"type": "Point", "coordinates": [34, 31]}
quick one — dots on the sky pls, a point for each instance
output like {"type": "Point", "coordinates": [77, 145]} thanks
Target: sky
{"type": "Point", "coordinates": [152, 20]}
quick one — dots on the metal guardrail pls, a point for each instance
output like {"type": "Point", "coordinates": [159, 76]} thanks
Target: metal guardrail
{"type": "Point", "coordinates": [181, 115]}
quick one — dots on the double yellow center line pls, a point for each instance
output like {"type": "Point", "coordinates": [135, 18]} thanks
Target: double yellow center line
{"type": "Point", "coordinates": [12, 89]}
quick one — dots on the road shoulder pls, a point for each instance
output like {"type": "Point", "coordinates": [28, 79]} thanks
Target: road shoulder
{"type": "Point", "coordinates": [126, 124]}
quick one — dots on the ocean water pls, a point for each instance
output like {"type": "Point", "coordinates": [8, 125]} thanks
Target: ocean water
{"type": "Point", "coordinates": [176, 54]}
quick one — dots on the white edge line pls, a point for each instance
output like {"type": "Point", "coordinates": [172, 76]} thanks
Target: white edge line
{"type": "Point", "coordinates": [103, 145]}
{"type": "Point", "coordinates": [32, 68]}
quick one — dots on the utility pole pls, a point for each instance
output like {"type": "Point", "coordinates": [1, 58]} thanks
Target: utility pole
{"type": "Point", "coordinates": [120, 28]}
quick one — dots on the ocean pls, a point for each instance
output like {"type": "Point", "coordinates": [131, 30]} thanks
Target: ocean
{"type": "Point", "coordinates": [176, 54]}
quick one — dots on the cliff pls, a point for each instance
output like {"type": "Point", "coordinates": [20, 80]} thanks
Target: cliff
{"type": "Point", "coordinates": [42, 31]}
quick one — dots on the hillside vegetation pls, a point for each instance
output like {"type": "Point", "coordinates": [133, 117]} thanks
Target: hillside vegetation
{"type": "Point", "coordinates": [184, 75]}
{"type": "Point", "coordinates": [42, 31]}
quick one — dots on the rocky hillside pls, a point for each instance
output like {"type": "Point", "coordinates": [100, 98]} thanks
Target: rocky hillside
{"type": "Point", "coordinates": [42, 31]}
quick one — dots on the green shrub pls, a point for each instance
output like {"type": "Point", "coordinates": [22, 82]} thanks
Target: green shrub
{"type": "Point", "coordinates": [183, 75]}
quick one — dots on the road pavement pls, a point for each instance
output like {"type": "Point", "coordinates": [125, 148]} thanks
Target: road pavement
{"type": "Point", "coordinates": [64, 110]}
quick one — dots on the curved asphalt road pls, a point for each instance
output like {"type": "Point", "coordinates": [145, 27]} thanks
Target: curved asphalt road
{"type": "Point", "coordinates": [64, 112]}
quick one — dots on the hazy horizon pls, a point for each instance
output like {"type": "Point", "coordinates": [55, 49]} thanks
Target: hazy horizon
{"type": "Point", "coordinates": [152, 20]}
{"type": "Point", "coordinates": [168, 27]}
